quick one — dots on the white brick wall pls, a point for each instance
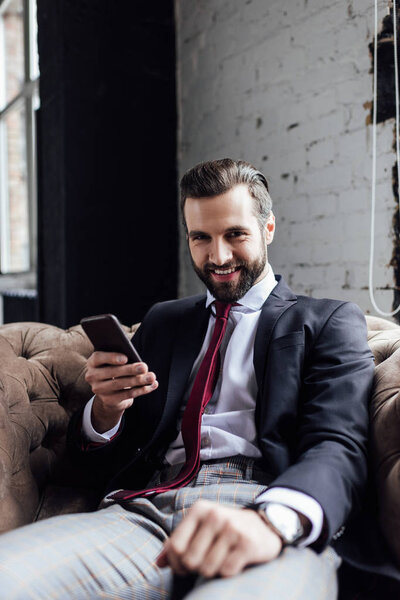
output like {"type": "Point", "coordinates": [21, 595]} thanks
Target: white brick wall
{"type": "Point", "coordinates": [282, 83]}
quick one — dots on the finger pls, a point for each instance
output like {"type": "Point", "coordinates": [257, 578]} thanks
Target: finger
{"type": "Point", "coordinates": [168, 558]}
{"type": "Point", "coordinates": [114, 398]}
{"type": "Point", "coordinates": [182, 535]}
{"type": "Point", "coordinates": [108, 372]}
{"type": "Point", "coordinates": [162, 559]}
{"type": "Point", "coordinates": [107, 358]}
{"type": "Point", "coordinates": [109, 386]}
{"type": "Point", "coordinates": [143, 380]}
{"type": "Point", "coordinates": [218, 553]}
{"type": "Point", "coordinates": [146, 389]}
{"type": "Point", "coordinates": [176, 545]}
{"type": "Point", "coordinates": [119, 401]}
{"type": "Point", "coordinates": [203, 540]}
{"type": "Point", "coordinates": [235, 562]}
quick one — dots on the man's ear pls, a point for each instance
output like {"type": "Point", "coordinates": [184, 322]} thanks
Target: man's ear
{"type": "Point", "coordinates": [270, 228]}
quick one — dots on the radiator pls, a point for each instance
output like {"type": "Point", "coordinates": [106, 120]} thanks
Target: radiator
{"type": "Point", "coordinates": [20, 305]}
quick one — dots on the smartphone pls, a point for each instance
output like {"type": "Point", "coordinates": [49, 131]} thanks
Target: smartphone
{"type": "Point", "coordinates": [106, 334]}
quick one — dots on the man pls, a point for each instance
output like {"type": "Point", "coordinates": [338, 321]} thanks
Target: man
{"type": "Point", "coordinates": [239, 455]}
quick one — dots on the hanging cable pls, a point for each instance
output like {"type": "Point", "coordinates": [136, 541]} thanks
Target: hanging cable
{"type": "Point", "coordinates": [374, 119]}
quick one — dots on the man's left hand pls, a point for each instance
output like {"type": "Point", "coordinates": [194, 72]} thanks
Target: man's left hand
{"type": "Point", "coordinates": [218, 540]}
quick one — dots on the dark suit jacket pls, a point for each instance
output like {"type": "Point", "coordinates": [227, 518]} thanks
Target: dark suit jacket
{"type": "Point", "coordinates": [314, 372]}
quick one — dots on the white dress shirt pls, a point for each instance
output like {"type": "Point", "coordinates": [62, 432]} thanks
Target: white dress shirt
{"type": "Point", "coordinates": [228, 424]}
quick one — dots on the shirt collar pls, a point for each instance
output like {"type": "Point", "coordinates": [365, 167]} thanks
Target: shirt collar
{"type": "Point", "coordinates": [257, 295]}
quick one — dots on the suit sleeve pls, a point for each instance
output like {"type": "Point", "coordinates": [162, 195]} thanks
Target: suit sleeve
{"type": "Point", "coordinates": [98, 460]}
{"type": "Point", "coordinates": [331, 447]}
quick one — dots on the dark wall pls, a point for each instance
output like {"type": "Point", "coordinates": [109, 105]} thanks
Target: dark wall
{"type": "Point", "coordinates": [107, 158]}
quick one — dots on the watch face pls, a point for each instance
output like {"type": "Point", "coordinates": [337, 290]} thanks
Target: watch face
{"type": "Point", "coordinates": [286, 521]}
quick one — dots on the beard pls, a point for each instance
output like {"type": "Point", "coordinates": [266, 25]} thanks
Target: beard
{"type": "Point", "coordinates": [229, 291]}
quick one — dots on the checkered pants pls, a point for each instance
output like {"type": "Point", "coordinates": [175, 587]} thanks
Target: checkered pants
{"type": "Point", "coordinates": [111, 553]}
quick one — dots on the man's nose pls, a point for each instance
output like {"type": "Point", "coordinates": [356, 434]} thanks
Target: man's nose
{"type": "Point", "coordinates": [220, 252]}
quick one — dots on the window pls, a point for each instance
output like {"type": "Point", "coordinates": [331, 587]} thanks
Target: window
{"type": "Point", "coordinates": [19, 98]}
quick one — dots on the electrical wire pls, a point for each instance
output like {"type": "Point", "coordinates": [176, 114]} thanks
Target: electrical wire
{"type": "Point", "coordinates": [374, 119]}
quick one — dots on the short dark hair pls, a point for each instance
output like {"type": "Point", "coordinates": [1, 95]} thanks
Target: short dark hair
{"type": "Point", "coordinates": [216, 177]}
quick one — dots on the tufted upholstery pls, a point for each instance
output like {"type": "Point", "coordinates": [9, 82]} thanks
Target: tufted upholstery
{"type": "Point", "coordinates": [42, 383]}
{"type": "Point", "coordinates": [385, 429]}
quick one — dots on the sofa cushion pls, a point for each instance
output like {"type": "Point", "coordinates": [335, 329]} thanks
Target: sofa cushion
{"type": "Point", "coordinates": [42, 383]}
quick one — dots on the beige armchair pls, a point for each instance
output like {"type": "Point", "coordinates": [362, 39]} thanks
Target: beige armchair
{"type": "Point", "coordinates": [42, 382]}
{"type": "Point", "coordinates": [384, 340]}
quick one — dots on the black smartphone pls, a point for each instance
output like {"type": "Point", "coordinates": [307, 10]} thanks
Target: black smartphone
{"type": "Point", "coordinates": [106, 334]}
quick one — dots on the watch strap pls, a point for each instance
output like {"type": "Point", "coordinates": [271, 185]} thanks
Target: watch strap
{"type": "Point", "coordinates": [288, 538]}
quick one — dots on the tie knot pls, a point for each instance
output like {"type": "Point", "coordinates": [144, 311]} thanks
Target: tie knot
{"type": "Point", "coordinates": [222, 309]}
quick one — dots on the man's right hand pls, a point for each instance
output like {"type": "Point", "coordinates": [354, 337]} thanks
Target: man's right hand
{"type": "Point", "coordinates": [115, 384]}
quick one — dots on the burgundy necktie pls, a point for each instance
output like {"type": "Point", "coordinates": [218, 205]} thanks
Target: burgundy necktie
{"type": "Point", "coordinates": [200, 395]}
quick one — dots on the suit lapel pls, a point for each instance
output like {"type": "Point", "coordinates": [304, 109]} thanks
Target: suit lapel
{"type": "Point", "coordinates": [190, 336]}
{"type": "Point", "coordinates": [187, 345]}
{"type": "Point", "coordinates": [280, 299]}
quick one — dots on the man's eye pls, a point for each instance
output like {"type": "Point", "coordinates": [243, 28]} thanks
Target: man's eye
{"type": "Point", "coordinates": [235, 234]}
{"type": "Point", "coordinates": [197, 238]}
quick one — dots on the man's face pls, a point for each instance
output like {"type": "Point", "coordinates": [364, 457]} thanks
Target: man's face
{"type": "Point", "coordinates": [227, 247]}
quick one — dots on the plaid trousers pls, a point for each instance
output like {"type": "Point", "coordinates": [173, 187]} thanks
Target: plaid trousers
{"type": "Point", "coordinates": [111, 553]}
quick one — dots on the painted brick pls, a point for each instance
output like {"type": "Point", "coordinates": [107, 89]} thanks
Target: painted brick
{"type": "Point", "coordinates": [283, 84]}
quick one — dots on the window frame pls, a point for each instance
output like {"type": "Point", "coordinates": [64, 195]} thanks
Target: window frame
{"type": "Point", "coordinates": [26, 98]}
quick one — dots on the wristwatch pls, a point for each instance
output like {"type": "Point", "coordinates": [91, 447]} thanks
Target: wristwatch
{"type": "Point", "coordinates": [284, 521]}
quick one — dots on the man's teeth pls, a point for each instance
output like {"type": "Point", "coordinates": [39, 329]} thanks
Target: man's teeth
{"type": "Point", "coordinates": [225, 271]}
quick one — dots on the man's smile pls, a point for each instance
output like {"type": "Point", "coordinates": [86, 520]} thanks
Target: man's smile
{"type": "Point", "coordinates": [227, 244]}
{"type": "Point", "coordinates": [225, 274]}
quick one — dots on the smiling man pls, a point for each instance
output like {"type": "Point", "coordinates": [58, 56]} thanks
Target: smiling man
{"type": "Point", "coordinates": [239, 456]}
{"type": "Point", "coordinates": [229, 251]}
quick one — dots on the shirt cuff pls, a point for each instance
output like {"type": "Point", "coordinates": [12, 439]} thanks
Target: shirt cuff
{"type": "Point", "coordinates": [301, 503]}
{"type": "Point", "coordinates": [90, 433]}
